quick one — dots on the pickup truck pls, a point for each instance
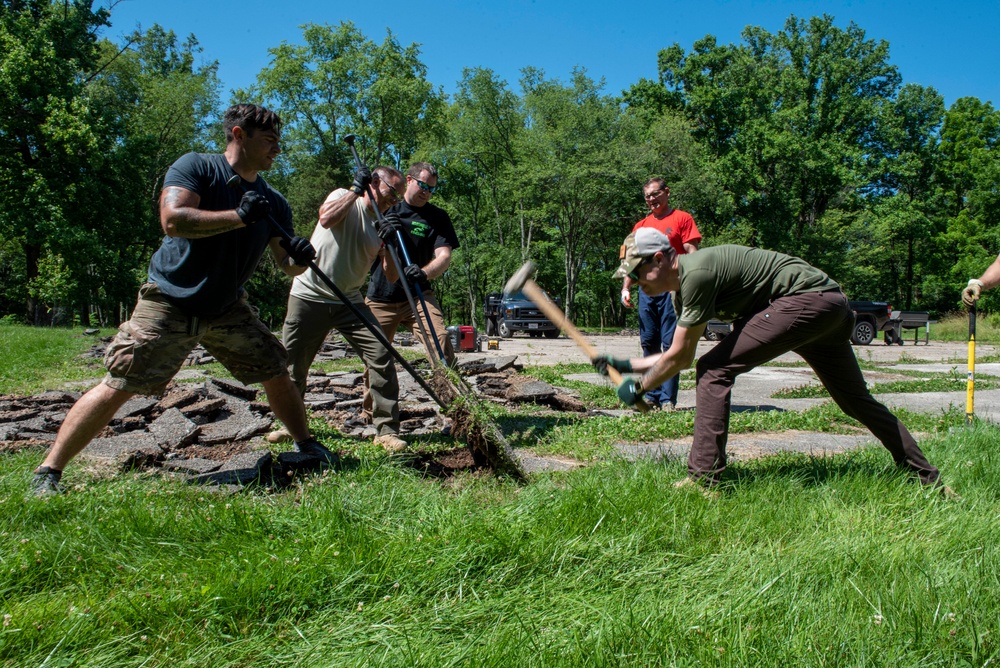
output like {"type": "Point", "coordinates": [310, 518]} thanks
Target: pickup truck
{"type": "Point", "coordinates": [506, 314]}
{"type": "Point", "coordinates": [870, 318]}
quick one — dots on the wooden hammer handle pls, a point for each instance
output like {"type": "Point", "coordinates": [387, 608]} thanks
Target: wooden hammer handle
{"type": "Point", "coordinates": [555, 314]}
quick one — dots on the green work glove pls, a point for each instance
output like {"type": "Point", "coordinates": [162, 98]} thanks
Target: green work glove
{"type": "Point", "coordinates": [602, 362]}
{"type": "Point", "coordinates": [630, 391]}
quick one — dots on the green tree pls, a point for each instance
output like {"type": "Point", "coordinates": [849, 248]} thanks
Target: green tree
{"type": "Point", "coordinates": [790, 117]}
{"type": "Point", "coordinates": [478, 161]}
{"type": "Point", "coordinates": [48, 139]}
{"type": "Point", "coordinates": [897, 229]}
{"type": "Point", "coordinates": [579, 174]}
{"type": "Point", "coordinates": [339, 82]}
{"type": "Point", "coordinates": [968, 171]}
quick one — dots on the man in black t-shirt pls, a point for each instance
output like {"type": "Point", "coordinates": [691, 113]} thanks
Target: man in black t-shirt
{"type": "Point", "coordinates": [430, 238]}
{"type": "Point", "coordinates": [215, 237]}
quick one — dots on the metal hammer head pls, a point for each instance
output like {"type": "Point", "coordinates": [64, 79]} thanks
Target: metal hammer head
{"type": "Point", "coordinates": [518, 280]}
{"type": "Point", "coordinates": [233, 181]}
{"type": "Point", "coordinates": [349, 140]}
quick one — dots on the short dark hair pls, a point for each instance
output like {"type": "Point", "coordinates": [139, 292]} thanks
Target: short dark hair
{"type": "Point", "coordinates": [386, 173]}
{"type": "Point", "coordinates": [251, 118]}
{"type": "Point", "coordinates": [656, 179]}
{"type": "Point", "coordinates": [417, 167]}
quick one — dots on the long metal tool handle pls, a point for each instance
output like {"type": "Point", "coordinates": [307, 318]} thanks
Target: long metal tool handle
{"type": "Point", "coordinates": [349, 140]}
{"type": "Point", "coordinates": [373, 328]}
{"type": "Point", "coordinates": [413, 306]}
{"type": "Point", "coordinates": [970, 385]}
{"type": "Point", "coordinates": [555, 314]}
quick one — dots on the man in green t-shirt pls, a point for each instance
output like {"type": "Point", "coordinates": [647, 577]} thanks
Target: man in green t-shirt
{"type": "Point", "coordinates": [777, 303]}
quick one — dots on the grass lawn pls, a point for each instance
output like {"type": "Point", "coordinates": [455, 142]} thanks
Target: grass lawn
{"type": "Point", "coordinates": [835, 561]}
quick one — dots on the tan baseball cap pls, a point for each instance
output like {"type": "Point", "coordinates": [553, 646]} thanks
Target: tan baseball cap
{"type": "Point", "coordinates": [641, 244]}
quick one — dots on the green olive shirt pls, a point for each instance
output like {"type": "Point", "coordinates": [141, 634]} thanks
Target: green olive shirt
{"type": "Point", "coordinates": [731, 282]}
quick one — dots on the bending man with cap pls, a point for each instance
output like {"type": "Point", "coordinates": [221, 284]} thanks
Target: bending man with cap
{"type": "Point", "coordinates": [777, 303]}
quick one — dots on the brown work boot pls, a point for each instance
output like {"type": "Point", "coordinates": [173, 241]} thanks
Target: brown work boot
{"type": "Point", "coordinates": [279, 436]}
{"type": "Point", "coordinates": [391, 443]}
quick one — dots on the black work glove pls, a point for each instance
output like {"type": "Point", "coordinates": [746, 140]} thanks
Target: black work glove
{"type": "Point", "coordinates": [253, 207]}
{"type": "Point", "coordinates": [299, 249]}
{"type": "Point", "coordinates": [362, 179]}
{"type": "Point", "coordinates": [415, 274]}
{"type": "Point", "coordinates": [388, 226]}
{"type": "Point", "coordinates": [602, 362]}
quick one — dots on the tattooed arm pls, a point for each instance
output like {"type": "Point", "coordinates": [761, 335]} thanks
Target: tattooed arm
{"type": "Point", "coordinates": [181, 217]}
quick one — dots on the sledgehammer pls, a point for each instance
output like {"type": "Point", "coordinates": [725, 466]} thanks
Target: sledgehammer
{"type": "Point", "coordinates": [522, 282]}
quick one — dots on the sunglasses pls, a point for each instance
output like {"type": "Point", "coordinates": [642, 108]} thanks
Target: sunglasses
{"type": "Point", "coordinates": [392, 193]}
{"type": "Point", "coordinates": [634, 274]}
{"type": "Point", "coordinates": [424, 186]}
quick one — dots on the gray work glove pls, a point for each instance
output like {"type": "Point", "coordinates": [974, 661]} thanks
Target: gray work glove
{"type": "Point", "coordinates": [970, 295]}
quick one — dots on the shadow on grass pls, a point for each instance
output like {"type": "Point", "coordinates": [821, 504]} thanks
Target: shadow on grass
{"type": "Point", "coordinates": [808, 471]}
{"type": "Point", "coordinates": [525, 430]}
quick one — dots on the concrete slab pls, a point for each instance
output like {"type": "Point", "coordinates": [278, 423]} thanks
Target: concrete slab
{"type": "Point", "coordinates": [751, 446]}
{"type": "Point", "coordinates": [173, 430]}
{"type": "Point", "coordinates": [242, 469]}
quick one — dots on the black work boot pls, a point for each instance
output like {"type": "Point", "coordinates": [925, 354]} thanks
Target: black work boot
{"type": "Point", "coordinates": [46, 482]}
{"type": "Point", "coordinates": [314, 448]}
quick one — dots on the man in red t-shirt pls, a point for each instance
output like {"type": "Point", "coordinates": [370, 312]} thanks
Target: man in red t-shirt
{"type": "Point", "coordinates": [657, 319]}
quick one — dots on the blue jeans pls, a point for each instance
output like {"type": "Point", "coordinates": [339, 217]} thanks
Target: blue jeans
{"type": "Point", "coordinates": [657, 322]}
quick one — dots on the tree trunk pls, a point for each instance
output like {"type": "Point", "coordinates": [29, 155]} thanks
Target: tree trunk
{"type": "Point", "coordinates": [32, 253]}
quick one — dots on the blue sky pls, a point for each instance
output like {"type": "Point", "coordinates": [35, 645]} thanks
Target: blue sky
{"type": "Point", "coordinates": [953, 47]}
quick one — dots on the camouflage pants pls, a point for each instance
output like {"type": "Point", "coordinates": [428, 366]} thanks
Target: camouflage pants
{"type": "Point", "coordinates": [150, 348]}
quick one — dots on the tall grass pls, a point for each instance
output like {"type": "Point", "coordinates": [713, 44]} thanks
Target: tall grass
{"type": "Point", "coordinates": [802, 561]}
{"type": "Point", "coordinates": [955, 327]}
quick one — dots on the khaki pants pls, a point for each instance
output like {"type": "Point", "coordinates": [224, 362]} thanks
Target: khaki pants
{"type": "Point", "coordinates": [151, 347]}
{"type": "Point", "coordinates": [306, 327]}
{"type": "Point", "coordinates": [391, 315]}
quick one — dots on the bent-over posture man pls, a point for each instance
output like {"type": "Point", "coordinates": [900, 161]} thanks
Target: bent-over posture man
{"type": "Point", "coordinates": [657, 319]}
{"type": "Point", "coordinates": [348, 240]}
{"type": "Point", "coordinates": [989, 280]}
{"type": "Point", "coordinates": [777, 303]}
{"type": "Point", "coordinates": [430, 238]}
{"type": "Point", "coordinates": [215, 237]}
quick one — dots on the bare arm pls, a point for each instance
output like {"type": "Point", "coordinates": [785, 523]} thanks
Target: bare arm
{"type": "Point", "coordinates": [991, 277]}
{"type": "Point", "coordinates": [181, 217]}
{"type": "Point", "coordinates": [440, 263]}
{"type": "Point", "coordinates": [388, 266]}
{"type": "Point", "coordinates": [334, 210]}
{"type": "Point", "coordinates": [285, 263]}
{"type": "Point", "coordinates": [691, 246]}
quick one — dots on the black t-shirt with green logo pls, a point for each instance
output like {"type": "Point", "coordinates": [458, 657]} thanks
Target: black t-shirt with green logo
{"type": "Point", "coordinates": [427, 229]}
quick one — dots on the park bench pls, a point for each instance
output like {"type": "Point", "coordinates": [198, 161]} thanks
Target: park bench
{"type": "Point", "coordinates": [915, 320]}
